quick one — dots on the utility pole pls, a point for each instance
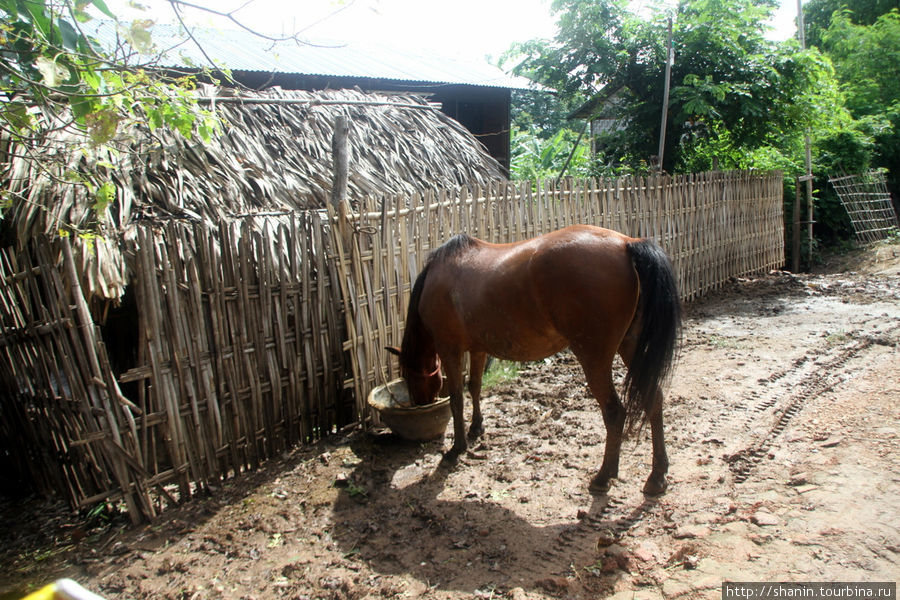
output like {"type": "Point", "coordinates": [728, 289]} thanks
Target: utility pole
{"type": "Point", "coordinates": [665, 107]}
{"type": "Point", "coordinates": [808, 177]}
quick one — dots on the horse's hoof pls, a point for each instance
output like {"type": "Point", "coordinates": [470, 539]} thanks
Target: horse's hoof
{"type": "Point", "coordinates": [599, 486]}
{"type": "Point", "coordinates": [656, 486]}
{"type": "Point", "coordinates": [475, 432]}
{"type": "Point", "coordinates": [452, 455]}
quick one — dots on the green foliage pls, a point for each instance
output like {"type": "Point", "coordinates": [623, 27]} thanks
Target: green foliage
{"type": "Point", "coordinates": [863, 42]}
{"type": "Point", "coordinates": [847, 150]}
{"type": "Point", "coordinates": [737, 99]}
{"type": "Point", "coordinates": [536, 158]}
{"type": "Point", "coordinates": [542, 138]}
{"type": "Point", "coordinates": [731, 89]}
{"type": "Point", "coordinates": [541, 113]}
{"type": "Point", "coordinates": [50, 63]}
{"type": "Point", "coordinates": [53, 62]}
{"type": "Point", "coordinates": [887, 143]}
{"type": "Point", "coordinates": [867, 61]}
{"type": "Point", "coordinates": [499, 371]}
{"type": "Point", "coordinates": [817, 14]}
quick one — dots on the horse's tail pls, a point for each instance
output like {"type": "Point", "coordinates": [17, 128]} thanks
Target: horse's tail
{"type": "Point", "coordinates": [659, 319]}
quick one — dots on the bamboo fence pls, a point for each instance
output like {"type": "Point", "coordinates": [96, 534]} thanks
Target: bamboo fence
{"type": "Point", "coordinates": [867, 201]}
{"type": "Point", "coordinates": [715, 226]}
{"type": "Point", "coordinates": [61, 404]}
{"type": "Point", "coordinates": [265, 332]}
{"type": "Point", "coordinates": [239, 359]}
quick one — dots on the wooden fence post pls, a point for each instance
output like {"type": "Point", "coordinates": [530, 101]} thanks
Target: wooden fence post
{"type": "Point", "coordinates": [795, 229]}
{"type": "Point", "coordinates": [340, 155]}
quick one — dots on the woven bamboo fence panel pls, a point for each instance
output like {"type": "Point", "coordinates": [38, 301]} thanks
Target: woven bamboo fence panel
{"type": "Point", "coordinates": [714, 226]}
{"type": "Point", "coordinates": [239, 358]}
{"type": "Point", "coordinates": [867, 201]}
{"type": "Point", "coordinates": [242, 334]}
{"type": "Point", "coordinates": [63, 419]}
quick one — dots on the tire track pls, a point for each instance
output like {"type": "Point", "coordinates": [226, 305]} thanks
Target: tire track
{"type": "Point", "coordinates": [817, 377]}
{"type": "Point", "coordinates": [610, 523]}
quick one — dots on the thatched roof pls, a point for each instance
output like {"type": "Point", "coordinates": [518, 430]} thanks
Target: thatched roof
{"type": "Point", "coordinates": [273, 154]}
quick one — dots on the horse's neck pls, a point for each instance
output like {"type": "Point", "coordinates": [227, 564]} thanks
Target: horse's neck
{"type": "Point", "coordinates": [417, 349]}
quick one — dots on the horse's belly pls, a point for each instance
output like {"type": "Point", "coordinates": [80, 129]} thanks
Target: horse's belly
{"type": "Point", "coordinates": [510, 340]}
{"type": "Point", "coordinates": [524, 354]}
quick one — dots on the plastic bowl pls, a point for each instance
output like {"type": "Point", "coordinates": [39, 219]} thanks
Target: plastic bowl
{"type": "Point", "coordinates": [415, 423]}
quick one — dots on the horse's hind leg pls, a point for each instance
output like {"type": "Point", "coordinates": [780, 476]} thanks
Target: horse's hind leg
{"type": "Point", "coordinates": [656, 483]}
{"type": "Point", "coordinates": [614, 419]}
{"type": "Point", "coordinates": [598, 372]}
{"type": "Point", "coordinates": [477, 361]}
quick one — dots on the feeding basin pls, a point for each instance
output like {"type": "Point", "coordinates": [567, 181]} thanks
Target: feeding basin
{"type": "Point", "coordinates": [415, 423]}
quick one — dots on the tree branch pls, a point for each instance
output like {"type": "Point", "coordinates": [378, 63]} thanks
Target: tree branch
{"type": "Point", "coordinates": [230, 15]}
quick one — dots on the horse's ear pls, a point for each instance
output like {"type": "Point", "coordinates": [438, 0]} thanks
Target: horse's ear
{"type": "Point", "coordinates": [393, 350]}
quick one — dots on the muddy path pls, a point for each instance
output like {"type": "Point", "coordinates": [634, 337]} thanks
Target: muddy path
{"type": "Point", "coordinates": [783, 430]}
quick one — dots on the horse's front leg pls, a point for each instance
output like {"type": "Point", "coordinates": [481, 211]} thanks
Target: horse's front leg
{"type": "Point", "coordinates": [477, 361]}
{"type": "Point", "coordinates": [454, 384]}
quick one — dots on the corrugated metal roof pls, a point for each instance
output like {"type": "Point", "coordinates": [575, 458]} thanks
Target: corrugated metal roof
{"type": "Point", "coordinates": [244, 51]}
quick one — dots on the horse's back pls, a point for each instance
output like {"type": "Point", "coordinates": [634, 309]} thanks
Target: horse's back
{"type": "Point", "coordinates": [587, 282]}
{"type": "Point", "coordinates": [530, 299]}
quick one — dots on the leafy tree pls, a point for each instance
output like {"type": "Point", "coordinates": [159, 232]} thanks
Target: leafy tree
{"type": "Point", "coordinates": [817, 14]}
{"type": "Point", "coordinates": [737, 99]}
{"type": "Point", "coordinates": [542, 137]}
{"type": "Point", "coordinates": [544, 113]}
{"type": "Point", "coordinates": [732, 88]}
{"type": "Point", "coordinates": [867, 63]}
{"type": "Point", "coordinates": [60, 88]}
{"type": "Point", "coordinates": [50, 61]}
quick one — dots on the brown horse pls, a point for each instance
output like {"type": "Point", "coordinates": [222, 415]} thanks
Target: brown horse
{"type": "Point", "coordinates": [593, 290]}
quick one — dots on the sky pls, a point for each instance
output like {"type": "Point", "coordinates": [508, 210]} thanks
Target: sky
{"type": "Point", "coordinates": [463, 28]}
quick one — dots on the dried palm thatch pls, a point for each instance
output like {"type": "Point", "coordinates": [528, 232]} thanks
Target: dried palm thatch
{"type": "Point", "coordinates": [272, 154]}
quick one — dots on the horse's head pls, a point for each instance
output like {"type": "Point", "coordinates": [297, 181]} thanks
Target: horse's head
{"type": "Point", "coordinates": [424, 383]}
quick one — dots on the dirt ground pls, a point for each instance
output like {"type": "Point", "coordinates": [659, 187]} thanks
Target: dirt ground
{"type": "Point", "coordinates": [783, 433]}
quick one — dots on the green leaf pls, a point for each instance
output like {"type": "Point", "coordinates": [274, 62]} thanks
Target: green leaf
{"type": "Point", "coordinates": [92, 80]}
{"type": "Point", "coordinates": [69, 34]}
{"type": "Point", "coordinates": [697, 107]}
{"type": "Point", "coordinates": [104, 196]}
{"type": "Point", "coordinates": [34, 13]}
{"type": "Point", "coordinates": [80, 11]}
{"type": "Point", "coordinates": [81, 107]}
{"type": "Point", "coordinates": [101, 6]}
{"type": "Point", "coordinates": [155, 118]}
{"type": "Point", "coordinates": [139, 36]}
{"type": "Point", "coordinates": [17, 115]}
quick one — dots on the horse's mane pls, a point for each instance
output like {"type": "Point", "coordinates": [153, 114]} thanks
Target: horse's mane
{"type": "Point", "coordinates": [450, 248]}
{"type": "Point", "coordinates": [413, 338]}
